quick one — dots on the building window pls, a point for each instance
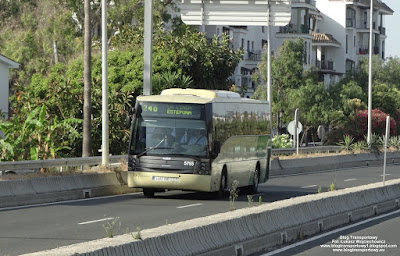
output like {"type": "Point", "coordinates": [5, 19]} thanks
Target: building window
{"type": "Point", "coordinates": [305, 53]}
{"type": "Point", "coordinates": [347, 43]}
{"type": "Point", "coordinates": [263, 29]}
{"type": "Point", "coordinates": [248, 45]}
{"type": "Point", "coordinates": [242, 45]}
{"type": "Point", "coordinates": [350, 65]}
{"type": "Point", "coordinates": [350, 18]}
{"type": "Point", "coordinates": [264, 44]}
{"type": "Point", "coordinates": [252, 46]}
{"type": "Point", "coordinates": [354, 41]}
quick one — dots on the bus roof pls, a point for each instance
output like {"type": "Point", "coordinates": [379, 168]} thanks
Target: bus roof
{"type": "Point", "coordinates": [212, 94]}
{"type": "Point", "coordinates": [200, 96]}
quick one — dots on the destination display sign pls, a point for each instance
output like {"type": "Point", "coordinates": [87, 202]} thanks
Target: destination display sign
{"type": "Point", "coordinates": [177, 110]}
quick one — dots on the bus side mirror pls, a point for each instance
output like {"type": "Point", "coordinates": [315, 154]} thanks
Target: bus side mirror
{"type": "Point", "coordinates": [128, 119]}
{"type": "Point", "coordinates": [217, 147]}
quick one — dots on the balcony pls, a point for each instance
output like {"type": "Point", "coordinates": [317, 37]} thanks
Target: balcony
{"type": "Point", "coordinates": [325, 65]}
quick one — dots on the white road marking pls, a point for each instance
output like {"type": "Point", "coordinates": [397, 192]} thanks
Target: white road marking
{"type": "Point", "coordinates": [350, 179]}
{"type": "Point", "coordinates": [94, 221]}
{"type": "Point", "coordinates": [329, 233]}
{"type": "Point", "coordinates": [65, 202]}
{"type": "Point", "coordinates": [387, 174]}
{"type": "Point", "coordinates": [309, 186]}
{"type": "Point", "coordinates": [190, 205]}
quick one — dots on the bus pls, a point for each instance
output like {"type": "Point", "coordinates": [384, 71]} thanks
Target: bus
{"type": "Point", "coordinates": [198, 140]}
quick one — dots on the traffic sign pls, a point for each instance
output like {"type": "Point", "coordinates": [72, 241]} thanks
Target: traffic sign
{"type": "Point", "coordinates": [236, 12]}
{"type": "Point", "coordinates": [291, 127]}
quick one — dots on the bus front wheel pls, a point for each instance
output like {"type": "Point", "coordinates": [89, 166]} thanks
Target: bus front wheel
{"type": "Point", "coordinates": [222, 185]}
{"type": "Point", "coordinates": [148, 193]}
{"type": "Point", "coordinates": [256, 180]}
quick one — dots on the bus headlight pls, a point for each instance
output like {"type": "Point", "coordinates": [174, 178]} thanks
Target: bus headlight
{"type": "Point", "coordinates": [202, 169]}
{"type": "Point", "coordinates": [131, 163]}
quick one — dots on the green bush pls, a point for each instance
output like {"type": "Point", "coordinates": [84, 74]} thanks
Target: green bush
{"type": "Point", "coordinates": [282, 141]}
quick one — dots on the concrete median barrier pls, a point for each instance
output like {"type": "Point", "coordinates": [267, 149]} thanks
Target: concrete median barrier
{"type": "Point", "coordinates": [249, 230]}
{"type": "Point", "coordinates": [59, 188]}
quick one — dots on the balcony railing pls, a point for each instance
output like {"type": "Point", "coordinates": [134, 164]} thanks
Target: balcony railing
{"type": "Point", "coordinates": [312, 2]}
{"type": "Point", "coordinates": [247, 82]}
{"type": "Point", "coordinates": [382, 30]}
{"type": "Point", "coordinates": [291, 29]}
{"type": "Point", "coordinates": [254, 55]}
{"type": "Point", "coordinates": [361, 24]}
{"type": "Point", "coordinates": [365, 50]}
{"type": "Point", "coordinates": [350, 23]}
{"type": "Point", "coordinates": [325, 65]}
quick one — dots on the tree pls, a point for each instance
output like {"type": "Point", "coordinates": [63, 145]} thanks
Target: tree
{"type": "Point", "coordinates": [38, 136]}
{"type": "Point", "coordinates": [27, 33]}
{"type": "Point", "coordinates": [87, 91]}
{"type": "Point", "coordinates": [286, 74]}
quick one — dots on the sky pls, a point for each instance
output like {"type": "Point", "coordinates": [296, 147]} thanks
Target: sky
{"type": "Point", "coordinates": [392, 24]}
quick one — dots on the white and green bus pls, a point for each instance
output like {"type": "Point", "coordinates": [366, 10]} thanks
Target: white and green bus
{"type": "Point", "coordinates": [198, 140]}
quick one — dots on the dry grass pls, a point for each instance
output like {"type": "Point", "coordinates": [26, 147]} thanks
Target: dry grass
{"type": "Point", "coordinates": [33, 175]}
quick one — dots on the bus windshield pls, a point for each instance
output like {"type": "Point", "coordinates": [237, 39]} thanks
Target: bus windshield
{"type": "Point", "coordinates": [169, 136]}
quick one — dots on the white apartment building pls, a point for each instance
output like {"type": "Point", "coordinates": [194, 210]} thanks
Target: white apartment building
{"type": "Point", "coordinates": [335, 32]}
{"type": "Point", "coordinates": [348, 21]}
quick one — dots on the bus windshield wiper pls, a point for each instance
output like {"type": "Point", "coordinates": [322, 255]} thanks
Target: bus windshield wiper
{"type": "Point", "coordinates": [152, 148]}
{"type": "Point", "coordinates": [186, 155]}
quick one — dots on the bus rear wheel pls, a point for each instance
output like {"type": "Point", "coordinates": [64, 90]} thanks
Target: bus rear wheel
{"type": "Point", "coordinates": [148, 193]}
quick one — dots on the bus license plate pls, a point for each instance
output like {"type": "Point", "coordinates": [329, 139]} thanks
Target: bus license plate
{"type": "Point", "coordinates": [169, 179]}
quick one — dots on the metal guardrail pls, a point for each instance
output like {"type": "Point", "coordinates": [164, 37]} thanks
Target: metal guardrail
{"type": "Point", "coordinates": [96, 160]}
{"type": "Point", "coordinates": [76, 161]}
{"type": "Point", "coordinates": [307, 150]}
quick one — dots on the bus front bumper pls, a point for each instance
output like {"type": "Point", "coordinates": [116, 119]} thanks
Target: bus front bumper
{"type": "Point", "coordinates": [172, 181]}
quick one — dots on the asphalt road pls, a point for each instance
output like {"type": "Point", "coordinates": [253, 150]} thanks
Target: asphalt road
{"type": "Point", "coordinates": [376, 236]}
{"type": "Point", "coordinates": [30, 229]}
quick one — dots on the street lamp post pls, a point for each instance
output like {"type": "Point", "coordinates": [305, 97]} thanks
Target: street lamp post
{"type": "Point", "coordinates": [105, 129]}
{"type": "Point", "coordinates": [148, 47]}
{"type": "Point", "coordinates": [370, 76]}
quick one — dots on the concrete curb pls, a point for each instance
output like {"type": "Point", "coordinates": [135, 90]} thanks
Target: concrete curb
{"type": "Point", "coordinates": [249, 230]}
